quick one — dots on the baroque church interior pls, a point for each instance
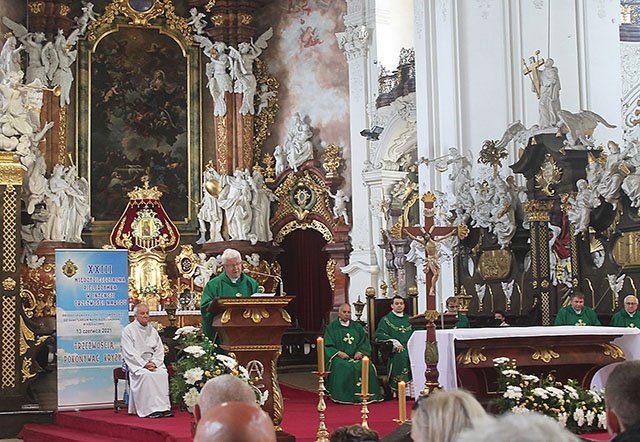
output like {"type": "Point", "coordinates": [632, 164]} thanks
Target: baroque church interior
{"type": "Point", "coordinates": [351, 150]}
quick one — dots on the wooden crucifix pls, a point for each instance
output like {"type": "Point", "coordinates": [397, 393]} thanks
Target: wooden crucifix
{"type": "Point", "coordinates": [429, 236]}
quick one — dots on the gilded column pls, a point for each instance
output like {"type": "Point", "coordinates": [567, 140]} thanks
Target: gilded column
{"type": "Point", "coordinates": [538, 217]}
{"type": "Point", "coordinates": [12, 368]}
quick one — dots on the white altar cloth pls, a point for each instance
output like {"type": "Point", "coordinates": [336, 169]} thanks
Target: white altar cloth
{"type": "Point", "coordinates": [629, 343]}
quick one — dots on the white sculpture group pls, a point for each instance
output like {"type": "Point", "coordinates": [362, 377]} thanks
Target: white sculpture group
{"type": "Point", "coordinates": [297, 147]}
{"type": "Point", "coordinates": [230, 69]}
{"type": "Point", "coordinates": [245, 201]}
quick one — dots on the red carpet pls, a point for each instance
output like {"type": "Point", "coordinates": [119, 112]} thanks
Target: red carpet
{"type": "Point", "coordinates": [300, 419]}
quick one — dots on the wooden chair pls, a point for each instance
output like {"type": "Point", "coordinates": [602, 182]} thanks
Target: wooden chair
{"type": "Point", "coordinates": [119, 374]}
{"type": "Point", "coordinates": [381, 351]}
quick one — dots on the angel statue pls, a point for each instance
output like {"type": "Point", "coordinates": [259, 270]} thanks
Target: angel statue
{"type": "Point", "coordinates": [88, 15]}
{"type": "Point", "coordinates": [58, 58]}
{"type": "Point", "coordinates": [219, 79]}
{"type": "Point", "coordinates": [242, 69]}
{"type": "Point", "coordinates": [340, 201]}
{"type": "Point", "coordinates": [197, 21]}
{"type": "Point", "coordinates": [616, 283]}
{"type": "Point", "coordinates": [33, 43]}
{"type": "Point", "coordinates": [580, 212]}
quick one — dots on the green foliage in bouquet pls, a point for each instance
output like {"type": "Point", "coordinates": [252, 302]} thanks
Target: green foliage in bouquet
{"type": "Point", "coordinates": [199, 360]}
{"type": "Point", "coordinates": [579, 410]}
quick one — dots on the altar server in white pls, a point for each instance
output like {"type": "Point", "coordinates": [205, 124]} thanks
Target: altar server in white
{"type": "Point", "coordinates": [143, 352]}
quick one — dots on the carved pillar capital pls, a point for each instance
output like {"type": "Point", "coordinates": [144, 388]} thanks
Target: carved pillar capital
{"type": "Point", "coordinates": [354, 41]}
{"type": "Point", "coordinates": [538, 210]}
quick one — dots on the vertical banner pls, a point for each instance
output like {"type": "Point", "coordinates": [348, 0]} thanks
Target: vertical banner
{"type": "Point", "coordinates": [92, 309]}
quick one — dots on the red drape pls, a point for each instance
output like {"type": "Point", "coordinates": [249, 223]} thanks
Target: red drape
{"type": "Point", "coordinates": [304, 274]}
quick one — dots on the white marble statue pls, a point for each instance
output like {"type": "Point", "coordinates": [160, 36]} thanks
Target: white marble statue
{"type": "Point", "coordinates": [57, 202]}
{"type": "Point", "coordinates": [217, 73]}
{"type": "Point", "coordinates": [33, 43]}
{"type": "Point", "coordinates": [631, 183]}
{"type": "Point", "coordinates": [298, 144]}
{"type": "Point", "coordinates": [78, 216]}
{"type": "Point", "coordinates": [281, 159]}
{"type": "Point", "coordinates": [35, 184]}
{"type": "Point", "coordinates": [504, 220]}
{"type": "Point", "coordinates": [10, 57]}
{"type": "Point", "coordinates": [340, 201]}
{"type": "Point", "coordinates": [549, 104]}
{"type": "Point", "coordinates": [262, 197]}
{"type": "Point", "coordinates": [616, 283]}
{"type": "Point", "coordinates": [581, 205]}
{"type": "Point", "coordinates": [58, 58]}
{"type": "Point", "coordinates": [242, 69]}
{"type": "Point", "coordinates": [417, 256]}
{"type": "Point", "coordinates": [210, 214]}
{"type": "Point", "coordinates": [263, 97]}
{"type": "Point", "coordinates": [205, 268]}
{"type": "Point", "coordinates": [611, 181]}
{"type": "Point", "coordinates": [580, 127]}
{"type": "Point", "coordinates": [88, 15]}
{"type": "Point", "coordinates": [197, 21]}
{"type": "Point", "coordinates": [235, 199]}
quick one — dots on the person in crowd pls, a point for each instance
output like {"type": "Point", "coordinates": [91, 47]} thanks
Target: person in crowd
{"type": "Point", "coordinates": [622, 398]}
{"type": "Point", "coordinates": [353, 433]}
{"type": "Point", "coordinates": [443, 415]}
{"type": "Point", "coordinates": [500, 319]}
{"type": "Point", "coordinates": [220, 389]}
{"type": "Point", "coordinates": [346, 343]}
{"type": "Point", "coordinates": [143, 353]}
{"type": "Point", "coordinates": [232, 282]}
{"type": "Point", "coordinates": [395, 327]}
{"type": "Point", "coordinates": [626, 317]}
{"type": "Point", "coordinates": [453, 305]}
{"type": "Point", "coordinates": [576, 313]}
{"type": "Point", "coordinates": [527, 427]}
{"type": "Point", "coordinates": [234, 422]}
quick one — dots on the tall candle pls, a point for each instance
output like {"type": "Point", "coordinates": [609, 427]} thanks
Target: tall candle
{"type": "Point", "coordinates": [365, 375]}
{"type": "Point", "coordinates": [320, 348]}
{"type": "Point", "coordinates": [402, 401]}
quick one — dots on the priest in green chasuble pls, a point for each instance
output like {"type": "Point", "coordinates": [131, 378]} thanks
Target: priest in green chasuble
{"type": "Point", "coordinates": [576, 313]}
{"type": "Point", "coordinates": [626, 317]}
{"type": "Point", "coordinates": [395, 327]}
{"type": "Point", "coordinates": [345, 344]}
{"type": "Point", "coordinates": [231, 283]}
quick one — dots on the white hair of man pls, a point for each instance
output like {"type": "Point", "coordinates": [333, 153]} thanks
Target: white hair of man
{"type": "Point", "coordinates": [630, 297]}
{"type": "Point", "coordinates": [225, 388]}
{"type": "Point", "coordinates": [230, 254]}
{"type": "Point", "coordinates": [137, 306]}
{"type": "Point", "coordinates": [523, 427]}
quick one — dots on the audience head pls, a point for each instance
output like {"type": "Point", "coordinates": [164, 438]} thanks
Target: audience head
{"type": "Point", "coordinates": [141, 313]}
{"type": "Point", "coordinates": [622, 396]}
{"type": "Point", "coordinates": [499, 317]}
{"type": "Point", "coordinates": [630, 304]}
{"type": "Point", "coordinates": [442, 415]}
{"type": "Point", "coordinates": [523, 427]}
{"type": "Point", "coordinates": [397, 304]}
{"type": "Point", "coordinates": [353, 433]}
{"type": "Point", "coordinates": [235, 422]}
{"type": "Point", "coordinates": [223, 388]}
{"type": "Point", "coordinates": [232, 263]}
{"type": "Point", "coordinates": [453, 304]}
{"type": "Point", "coordinates": [577, 301]}
{"type": "Point", "coordinates": [344, 313]}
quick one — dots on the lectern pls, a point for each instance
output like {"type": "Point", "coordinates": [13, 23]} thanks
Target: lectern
{"type": "Point", "coordinates": [251, 330]}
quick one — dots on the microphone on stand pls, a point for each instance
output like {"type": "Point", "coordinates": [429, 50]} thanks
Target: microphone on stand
{"type": "Point", "coordinates": [276, 277]}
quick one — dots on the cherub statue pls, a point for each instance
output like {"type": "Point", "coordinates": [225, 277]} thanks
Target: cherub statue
{"type": "Point", "coordinates": [340, 201]}
{"type": "Point", "coordinates": [280, 156]}
{"type": "Point", "coordinates": [197, 21]}
{"type": "Point", "coordinates": [580, 212]}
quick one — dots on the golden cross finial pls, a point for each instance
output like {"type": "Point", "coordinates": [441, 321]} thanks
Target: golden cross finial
{"type": "Point", "coordinates": [532, 69]}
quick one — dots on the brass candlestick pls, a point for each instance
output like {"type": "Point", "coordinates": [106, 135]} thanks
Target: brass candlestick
{"type": "Point", "coordinates": [322, 435]}
{"type": "Point", "coordinates": [365, 410]}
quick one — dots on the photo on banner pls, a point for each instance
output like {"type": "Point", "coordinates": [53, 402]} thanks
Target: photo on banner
{"type": "Point", "coordinates": [92, 310]}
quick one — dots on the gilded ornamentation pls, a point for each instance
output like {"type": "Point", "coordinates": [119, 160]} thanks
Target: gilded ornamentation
{"type": "Point", "coordinates": [294, 225]}
{"type": "Point", "coordinates": [245, 19]}
{"type": "Point", "coordinates": [331, 160]}
{"type": "Point", "coordinates": [538, 210]}
{"type": "Point", "coordinates": [38, 291]}
{"type": "Point", "coordinates": [64, 10]}
{"type": "Point", "coordinates": [269, 169]}
{"type": "Point", "coordinates": [545, 354]}
{"type": "Point", "coordinates": [69, 268]}
{"type": "Point", "coordinates": [160, 8]}
{"type": "Point", "coordinates": [250, 348]}
{"type": "Point", "coordinates": [285, 315]}
{"type": "Point", "coordinates": [548, 176]}
{"type": "Point", "coordinates": [613, 351]}
{"type": "Point", "coordinates": [226, 316]}
{"type": "Point", "coordinates": [396, 230]}
{"type": "Point", "coordinates": [26, 336]}
{"type": "Point", "coordinates": [247, 141]}
{"type": "Point", "coordinates": [256, 314]}
{"type": "Point", "coordinates": [217, 20]}
{"type": "Point", "coordinates": [278, 408]}
{"type": "Point", "coordinates": [494, 264]}
{"type": "Point", "coordinates": [492, 155]}
{"type": "Point", "coordinates": [331, 273]}
{"type": "Point", "coordinates": [9, 284]}
{"type": "Point", "coordinates": [8, 341]}
{"type": "Point", "coordinates": [626, 249]}
{"type": "Point", "coordinates": [35, 7]}
{"type": "Point", "coordinates": [471, 356]}
{"type": "Point", "coordinates": [221, 143]}
{"type": "Point", "coordinates": [9, 240]}
{"type": "Point", "coordinates": [263, 120]}
{"type": "Point", "coordinates": [26, 369]}
{"type": "Point", "coordinates": [186, 261]}
{"type": "Point", "coordinates": [62, 136]}
{"type": "Point", "coordinates": [431, 315]}
{"type": "Point", "coordinates": [10, 169]}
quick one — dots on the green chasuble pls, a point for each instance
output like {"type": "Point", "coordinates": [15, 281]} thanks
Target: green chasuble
{"type": "Point", "coordinates": [568, 316]}
{"type": "Point", "coordinates": [222, 287]}
{"type": "Point", "coordinates": [392, 326]}
{"type": "Point", "coordinates": [345, 379]}
{"type": "Point", "coordinates": [463, 322]}
{"type": "Point", "coordinates": [623, 319]}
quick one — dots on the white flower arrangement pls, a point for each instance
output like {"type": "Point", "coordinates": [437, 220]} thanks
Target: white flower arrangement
{"type": "Point", "coordinates": [576, 408]}
{"type": "Point", "coordinates": [195, 350]}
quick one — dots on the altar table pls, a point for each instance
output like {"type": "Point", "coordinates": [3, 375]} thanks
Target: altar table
{"type": "Point", "coordinates": [531, 338]}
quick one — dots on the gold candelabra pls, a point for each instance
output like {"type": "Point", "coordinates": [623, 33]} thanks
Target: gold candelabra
{"type": "Point", "coordinates": [364, 411]}
{"type": "Point", "coordinates": [322, 435]}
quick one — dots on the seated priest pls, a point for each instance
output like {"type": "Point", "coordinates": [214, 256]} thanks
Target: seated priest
{"type": "Point", "coordinates": [232, 282]}
{"type": "Point", "coordinates": [576, 313]}
{"type": "Point", "coordinates": [626, 317]}
{"type": "Point", "coordinates": [453, 305]}
{"type": "Point", "coordinates": [346, 343]}
{"type": "Point", "coordinates": [395, 327]}
{"type": "Point", "coordinates": [143, 353]}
